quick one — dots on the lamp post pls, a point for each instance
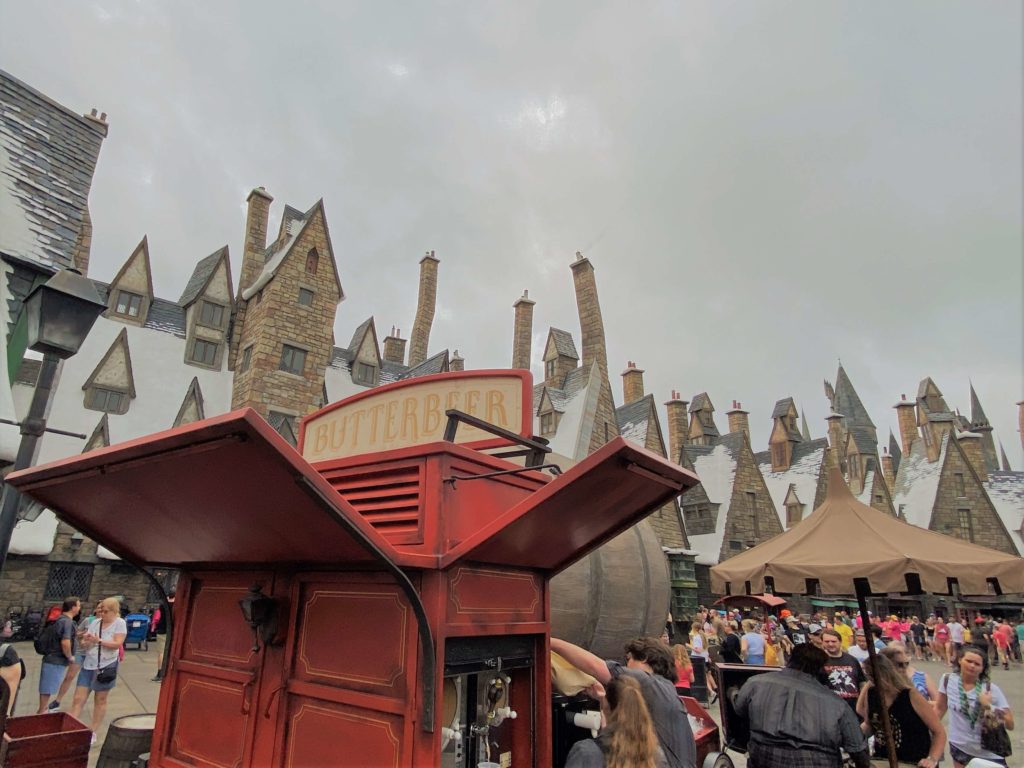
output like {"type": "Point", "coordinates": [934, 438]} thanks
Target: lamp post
{"type": "Point", "coordinates": [60, 313]}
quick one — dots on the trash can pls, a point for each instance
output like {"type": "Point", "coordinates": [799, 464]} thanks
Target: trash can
{"type": "Point", "coordinates": [699, 686]}
{"type": "Point", "coordinates": [128, 738]}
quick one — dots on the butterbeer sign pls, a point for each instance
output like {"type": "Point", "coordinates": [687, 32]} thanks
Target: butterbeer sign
{"type": "Point", "coordinates": [413, 413]}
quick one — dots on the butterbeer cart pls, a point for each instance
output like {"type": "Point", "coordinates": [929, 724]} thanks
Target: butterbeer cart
{"type": "Point", "coordinates": [392, 575]}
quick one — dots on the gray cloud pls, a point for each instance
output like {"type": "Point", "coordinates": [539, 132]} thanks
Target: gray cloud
{"type": "Point", "coordinates": [762, 187]}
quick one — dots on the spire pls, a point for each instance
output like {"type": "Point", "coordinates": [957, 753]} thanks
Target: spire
{"type": "Point", "coordinates": [805, 431]}
{"type": "Point", "coordinates": [978, 417]}
{"type": "Point", "coordinates": [1002, 455]}
{"type": "Point", "coordinates": [895, 452]}
{"type": "Point", "coordinates": [848, 403]}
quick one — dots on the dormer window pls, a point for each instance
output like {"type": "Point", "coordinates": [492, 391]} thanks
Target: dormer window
{"type": "Point", "coordinates": [548, 423]}
{"type": "Point", "coordinates": [211, 314]}
{"type": "Point", "coordinates": [778, 456]}
{"type": "Point", "coordinates": [312, 261]}
{"type": "Point", "coordinates": [365, 374]}
{"type": "Point", "coordinates": [128, 304]}
{"type": "Point", "coordinates": [106, 400]}
{"type": "Point", "coordinates": [205, 352]}
{"type": "Point", "coordinates": [549, 369]}
{"type": "Point", "coordinates": [794, 513]}
{"type": "Point", "coordinates": [306, 297]}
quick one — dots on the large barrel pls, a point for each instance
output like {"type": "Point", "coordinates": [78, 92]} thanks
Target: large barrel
{"type": "Point", "coordinates": [127, 738]}
{"type": "Point", "coordinates": [617, 592]}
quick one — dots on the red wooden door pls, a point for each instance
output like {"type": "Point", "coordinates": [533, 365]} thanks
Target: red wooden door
{"type": "Point", "coordinates": [208, 700]}
{"type": "Point", "coordinates": [350, 664]}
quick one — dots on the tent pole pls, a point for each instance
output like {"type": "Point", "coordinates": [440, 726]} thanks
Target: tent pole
{"type": "Point", "coordinates": [861, 588]}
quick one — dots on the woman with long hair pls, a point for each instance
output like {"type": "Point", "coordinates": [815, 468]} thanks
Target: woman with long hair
{"type": "Point", "coordinates": [684, 669]}
{"type": "Point", "coordinates": [699, 647]}
{"type": "Point", "coordinates": [970, 697]}
{"type": "Point", "coordinates": [916, 728]}
{"type": "Point", "coordinates": [628, 739]}
{"type": "Point", "coordinates": [101, 644]}
{"type": "Point", "coordinates": [898, 654]}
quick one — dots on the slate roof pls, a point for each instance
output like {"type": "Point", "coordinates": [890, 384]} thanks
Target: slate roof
{"type": "Point", "coordinates": [47, 159]}
{"type": "Point", "coordinates": [805, 432]}
{"type": "Point", "coordinates": [782, 407]}
{"type": "Point", "coordinates": [358, 334]}
{"type": "Point", "coordinates": [895, 452]}
{"type": "Point", "coordinates": [701, 402]}
{"type": "Point", "coordinates": [848, 403]}
{"type": "Point", "coordinates": [864, 439]}
{"type": "Point", "coordinates": [166, 316]}
{"type": "Point", "coordinates": [716, 466]}
{"type": "Point", "coordinates": [574, 382]}
{"type": "Point", "coordinates": [978, 417]}
{"type": "Point", "coordinates": [28, 372]}
{"type": "Point", "coordinates": [917, 483]}
{"type": "Point", "coordinates": [634, 419]}
{"type": "Point", "coordinates": [201, 276]}
{"type": "Point", "coordinates": [1006, 490]}
{"type": "Point", "coordinates": [436, 364]}
{"type": "Point", "coordinates": [564, 344]}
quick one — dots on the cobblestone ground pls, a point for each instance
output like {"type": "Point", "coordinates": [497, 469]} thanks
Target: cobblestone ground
{"type": "Point", "coordinates": [136, 693]}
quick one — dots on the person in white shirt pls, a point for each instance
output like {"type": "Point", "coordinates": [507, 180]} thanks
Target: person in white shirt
{"type": "Point", "coordinates": [859, 649]}
{"type": "Point", "coordinates": [101, 646]}
{"type": "Point", "coordinates": [956, 639]}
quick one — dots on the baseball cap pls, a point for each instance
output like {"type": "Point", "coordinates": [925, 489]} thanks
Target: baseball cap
{"type": "Point", "coordinates": [814, 629]}
{"type": "Point", "coordinates": [785, 612]}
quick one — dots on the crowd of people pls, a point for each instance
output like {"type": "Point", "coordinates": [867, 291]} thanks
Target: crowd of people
{"type": "Point", "coordinates": [827, 700]}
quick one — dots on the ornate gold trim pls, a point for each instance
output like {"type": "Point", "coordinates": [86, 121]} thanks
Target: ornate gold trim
{"type": "Point", "coordinates": [463, 571]}
{"type": "Point", "coordinates": [194, 610]}
{"type": "Point", "coordinates": [176, 741]}
{"type": "Point", "coordinates": [304, 708]}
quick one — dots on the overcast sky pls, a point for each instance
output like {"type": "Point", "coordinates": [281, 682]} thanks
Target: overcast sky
{"type": "Point", "coordinates": [762, 187]}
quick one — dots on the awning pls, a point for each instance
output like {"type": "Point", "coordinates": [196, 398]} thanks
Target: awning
{"type": "Point", "coordinates": [228, 490]}
{"type": "Point", "coordinates": [829, 602]}
{"type": "Point", "coordinates": [594, 501]}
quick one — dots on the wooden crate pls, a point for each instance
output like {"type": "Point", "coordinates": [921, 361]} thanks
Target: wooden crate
{"type": "Point", "coordinates": [53, 740]}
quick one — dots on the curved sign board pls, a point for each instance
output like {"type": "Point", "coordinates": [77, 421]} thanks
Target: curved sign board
{"type": "Point", "coordinates": [412, 412]}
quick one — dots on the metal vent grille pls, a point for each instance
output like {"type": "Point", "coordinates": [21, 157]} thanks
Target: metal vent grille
{"type": "Point", "coordinates": [67, 579]}
{"type": "Point", "coordinates": [388, 499]}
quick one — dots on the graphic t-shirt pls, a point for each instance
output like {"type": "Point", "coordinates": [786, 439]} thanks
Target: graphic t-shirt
{"type": "Point", "coordinates": [797, 634]}
{"type": "Point", "coordinates": [845, 677]}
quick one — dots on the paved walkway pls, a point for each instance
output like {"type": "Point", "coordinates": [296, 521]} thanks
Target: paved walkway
{"type": "Point", "coordinates": [136, 693]}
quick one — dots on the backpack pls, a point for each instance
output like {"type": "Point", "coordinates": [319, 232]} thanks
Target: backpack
{"type": "Point", "coordinates": [47, 642]}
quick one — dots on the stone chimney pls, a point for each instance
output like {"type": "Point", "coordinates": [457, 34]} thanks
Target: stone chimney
{"type": "Point", "coordinates": [970, 442]}
{"type": "Point", "coordinates": [99, 120]}
{"type": "Point", "coordinates": [632, 383]}
{"type": "Point", "coordinates": [394, 347]}
{"type": "Point", "coordinates": [420, 338]}
{"type": "Point", "coordinates": [256, 219]}
{"type": "Point", "coordinates": [888, 471]}
{"type": "Point", "coordinates": [456, 363]}
{"type": "Point", "coordinates": [522, 336]}
{"type": "Point", "coordinates": [83, 243]}
{"type": "Point", "coordinates": [905, 414]}
{"type": "Point", "coordinates": [738, 420]}
{"type": "Point", "coordinates": [591, 323]}
{"type": "Point", "coordinates": [677, 426]}
{"type": "Point", "coordinates": [835, 435]}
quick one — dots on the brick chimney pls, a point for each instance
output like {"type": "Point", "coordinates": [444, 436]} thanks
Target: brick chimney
{"type": "Point", "coordinates": [632, 383]}
{"type": "Point", "coordinates": [420, 338]}
{"type": "Point", "coordinates": [970, 442]}
{"type": "Point", "coordinates": [591, 323]}
{"type": "Point", "coordinates": [907, 418]}
{"type": "Point", "coordinates": [835, 435]}
{"type": "Point", "coordinates": [888, 472]}
{"type": "Point", "coordinates": [738, 420]}
{"type": "Point", "coordinates": [522, 336]}
{"type": "Point", "coordinates": [456, 363]}
{"type": "Point", "coordinates": [256, 218]}
{"type": "Point", "coordinates": [677, 426]}
{"type": "Point", "coordinates": [394, 347]}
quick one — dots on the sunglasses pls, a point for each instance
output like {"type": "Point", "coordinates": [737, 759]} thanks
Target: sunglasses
{"type": "Point", "coordinates": [902, 664]}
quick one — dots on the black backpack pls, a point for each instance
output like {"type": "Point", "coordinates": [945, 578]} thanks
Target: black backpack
{"type": "Point", "coordinates": [47, 642]}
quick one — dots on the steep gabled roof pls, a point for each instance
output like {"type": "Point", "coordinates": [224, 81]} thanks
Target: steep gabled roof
{"type": "Point", "coordinates": [436, 364]}
{"type": "Point", "coordinates": [782, 407]}
{"type": "Point", "coordinates": [864, 439]}
{"type": "Point", "coordinates": [166, 316]}
{"type": "Point", "coordinates": [804, 473]}
{"type": "Point", "coordinates": [895, 452]}
{"type": "Point", "coordinates": [202, 275]}
{"type": "Point", "coordinates": [847, 402]}
{"type": "Point", "coordinates": [564, 345]}
{"type": "Point", "coordinates": [715, 465]}
{"type": "Point", "coordinates": [917, 483]}
{"type": "Point", "coordinates": [47, 160]}
{"type": "Point", "coordinates": [634, 419]}
{"type": "Point", "coordinates": [978, 417]}
{"type": "Point", "coordinates": [805, 432]}
{"type": "Point", "coordinates": [1006, 491]}
{"type": "Point", "coordinates": [701, 402]}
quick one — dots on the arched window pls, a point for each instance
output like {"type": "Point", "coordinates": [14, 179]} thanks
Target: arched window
{"type": "Point", "coordinates": [312, 261]}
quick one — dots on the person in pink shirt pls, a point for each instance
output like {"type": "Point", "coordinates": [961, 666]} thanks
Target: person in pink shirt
{"type": "Point", "coordinates": [941, 643]}
{"type": "Point", "coordinates": [892, 629]}
{"type": "Point", "coordinates": [1002, 636]}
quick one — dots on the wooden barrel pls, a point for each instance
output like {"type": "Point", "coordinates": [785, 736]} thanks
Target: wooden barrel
{"type": "Point", "coordinates": [616, 593]}
{"type": "Point", "coordinates": [127, 738]}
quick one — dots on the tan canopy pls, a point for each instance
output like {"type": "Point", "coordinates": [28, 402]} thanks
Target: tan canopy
{"type": "Point", "coordinates": [844, 539]}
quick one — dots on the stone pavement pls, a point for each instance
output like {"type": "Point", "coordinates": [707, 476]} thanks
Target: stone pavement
{"type": "Point", "coordinates": [136, 693]}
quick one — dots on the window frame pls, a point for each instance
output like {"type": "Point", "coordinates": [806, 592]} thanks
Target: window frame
{"type": "Point", "coordinates": [67, 587]}
{"type": "Point", "coordinates": [215, 307]}
{"type": "Point", "coordinates": [207, 342]}
{"type": "Point", "coordinates": [312, 261]}
{"type": "Point", "coordinates": [291, 350]}
{"type": "Point", "coordinates": [246, 362]}
{"type": "Point", "coordinates": [121, 294]}
{"type": "Point", "coordinates": [93, 394]}
{"type": "Point", "coordinates": [312, 296]}
{"type": "Point", "coordinates": [960, 485]}
{"type": "Point", "coordinates": [366, 374]}
{"type": "Point", "coordinates": [548, 423]}
{"type": "Point", "coordinates": [964, 523]}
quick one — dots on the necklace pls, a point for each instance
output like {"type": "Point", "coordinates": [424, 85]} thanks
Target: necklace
{"type": "Point", "coordinates": [969, 712]}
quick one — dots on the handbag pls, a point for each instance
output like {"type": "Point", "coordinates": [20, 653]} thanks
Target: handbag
{"type": "Point", "coordinates": [107, 674]}
{"type": "Point", "coordinates": [994, 737]}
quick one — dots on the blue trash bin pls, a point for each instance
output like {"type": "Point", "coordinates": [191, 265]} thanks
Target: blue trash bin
{"type": "Point", "coordinates": [138, 630]}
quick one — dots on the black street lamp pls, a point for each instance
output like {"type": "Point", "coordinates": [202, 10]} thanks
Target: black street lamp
{"type": "Point", "coordinates": [60, 314]}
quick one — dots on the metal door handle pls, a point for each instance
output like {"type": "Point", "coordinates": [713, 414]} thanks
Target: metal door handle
{"type": "Point", "coordinates": [246, 702]}
{"type": "Point", "coordinates": [273, 697]}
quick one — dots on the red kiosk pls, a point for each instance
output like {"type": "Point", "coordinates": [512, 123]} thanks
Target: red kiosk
{"type": "Point", "coordinates": [377, 598]}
